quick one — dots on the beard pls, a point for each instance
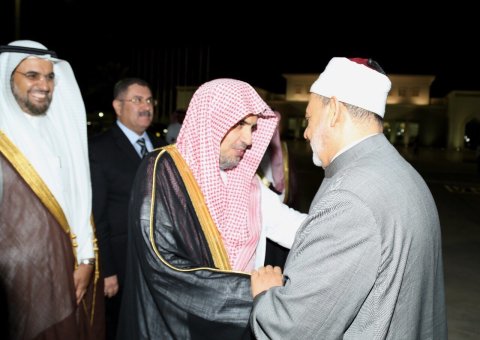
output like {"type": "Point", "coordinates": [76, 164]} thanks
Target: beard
{"type": "Point", "coordinates": [317, 161]}
{"type": "Point", "coordinates": [315, 144]}
{"type": "Point", "coordinates": [228, 163]}
{"type": "Point", "coordinates": [30, 107]}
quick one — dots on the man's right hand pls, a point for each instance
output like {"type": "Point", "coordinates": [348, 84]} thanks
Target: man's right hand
{"type": "Point", "coordinates": [265, 278]}
{"type": "Point", "coordinates": [111, 286]}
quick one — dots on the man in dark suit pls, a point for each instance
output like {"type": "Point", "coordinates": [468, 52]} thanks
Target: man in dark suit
{"type": "Point", "coordinates": [114, 158]}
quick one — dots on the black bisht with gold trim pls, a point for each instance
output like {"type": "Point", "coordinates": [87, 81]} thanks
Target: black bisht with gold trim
{"type": "Point", "coordinates": [178, 281]}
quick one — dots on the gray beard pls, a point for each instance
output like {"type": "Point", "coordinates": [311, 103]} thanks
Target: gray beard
{"type": "Point", "coordinates": [314, 143]}
{"type": "Point", "coordinates": [317, 161]}
{"type": "Point", "coordinates": [228, 164]}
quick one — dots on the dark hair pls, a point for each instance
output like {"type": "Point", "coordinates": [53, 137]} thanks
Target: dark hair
{"type": "Point", "coordinates": [122, 86]}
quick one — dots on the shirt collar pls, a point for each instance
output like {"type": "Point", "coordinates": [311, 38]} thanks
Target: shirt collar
{"type": "Point", "coordinates": [131, 135]}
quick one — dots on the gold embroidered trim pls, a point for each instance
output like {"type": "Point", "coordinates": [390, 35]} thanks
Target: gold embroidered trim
{"type": "Point", "coordinates": [214, 240]}
{"type": "Point", "coordinates": [286, 171]}
{"type": "Point", "coordinates": [31, 177]}
{"type": "Point", "coordinates": [96, 276]}
{"type": "Point", "coordinates": [38, 186]}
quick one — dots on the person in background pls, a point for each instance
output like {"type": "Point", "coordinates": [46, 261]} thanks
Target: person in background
{"type": "Point", "coordinates": [48, 269]}
{"type": "Point", "coordinates": [174, 127]}
{"type": "Point", "coordinates": [272, 167]}
{"type": "Point", "coordinates": [275, 172]}
{"type": "Point", "coordinates": [114, 158]}
{"type": "Point", "coordinates": [198, 221]}
{"type": "Point", "coordinates": [367, 262]}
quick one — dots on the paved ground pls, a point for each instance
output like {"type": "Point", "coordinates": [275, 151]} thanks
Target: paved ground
{"type": "Point", "coordinates": [455, 184]}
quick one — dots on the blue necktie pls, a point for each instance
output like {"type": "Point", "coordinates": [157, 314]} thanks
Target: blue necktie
{"type": "Point", "coordinates": [143, 147]}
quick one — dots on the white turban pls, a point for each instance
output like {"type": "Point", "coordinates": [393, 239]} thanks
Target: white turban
{"type": "Point", "coordinates": [354, 83]}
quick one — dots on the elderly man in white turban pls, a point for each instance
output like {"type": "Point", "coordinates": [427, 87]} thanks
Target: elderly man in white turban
{"type": "Point", "coordinates": [47, 244]}
{"type": "Point", "coordinates": [367, 262]}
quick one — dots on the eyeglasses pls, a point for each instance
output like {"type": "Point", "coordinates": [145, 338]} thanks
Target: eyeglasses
{"type": "Point", "coordinates": [140, 100]}
{"type": "Point", "coordinates": [36, 76]}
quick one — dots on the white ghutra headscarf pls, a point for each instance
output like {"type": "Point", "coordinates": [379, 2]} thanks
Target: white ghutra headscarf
{"type": "Point", "coordinates": [56, 143]}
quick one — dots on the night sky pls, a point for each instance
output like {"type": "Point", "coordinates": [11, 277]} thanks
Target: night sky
{"type": "Point", "coordinates": [253, 45]}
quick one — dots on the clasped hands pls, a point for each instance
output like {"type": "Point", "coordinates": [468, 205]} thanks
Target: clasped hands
{"type": "Point", "coordinates": [265, 278]}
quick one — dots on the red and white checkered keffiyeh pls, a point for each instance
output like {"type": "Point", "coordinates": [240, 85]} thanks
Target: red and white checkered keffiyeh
{"type": "Point", "coordinates": [215, 108]}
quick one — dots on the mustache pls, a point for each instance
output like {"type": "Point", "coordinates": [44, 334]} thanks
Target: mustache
{"type": "Point", "coordinates": [145, 114]}
{"type": "Point", "coordinates": [242, 146]}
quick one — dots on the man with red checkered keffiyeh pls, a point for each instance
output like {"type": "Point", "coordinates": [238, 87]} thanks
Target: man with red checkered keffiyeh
{"type": "Point", "coordinates": [199, 219]}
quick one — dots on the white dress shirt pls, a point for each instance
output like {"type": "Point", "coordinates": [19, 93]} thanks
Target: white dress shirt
{"type": "Point", "coordinates": [133, 137]}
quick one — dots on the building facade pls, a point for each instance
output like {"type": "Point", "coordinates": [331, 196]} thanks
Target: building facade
{"type": "Point", "coordinates": [412, 117]}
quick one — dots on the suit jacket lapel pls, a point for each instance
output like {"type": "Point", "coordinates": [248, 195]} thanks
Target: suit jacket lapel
{"type": "Point", "coordinates": [124, 144]}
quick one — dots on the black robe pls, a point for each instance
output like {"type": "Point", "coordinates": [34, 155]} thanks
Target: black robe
{"type": "Point", "coordinates": [173, 288]}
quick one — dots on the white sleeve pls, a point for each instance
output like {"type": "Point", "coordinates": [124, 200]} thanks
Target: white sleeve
{"type": "Point", "coordinates": [85, 242]}
{"type": "Point", "coordinates": [279, 221]}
